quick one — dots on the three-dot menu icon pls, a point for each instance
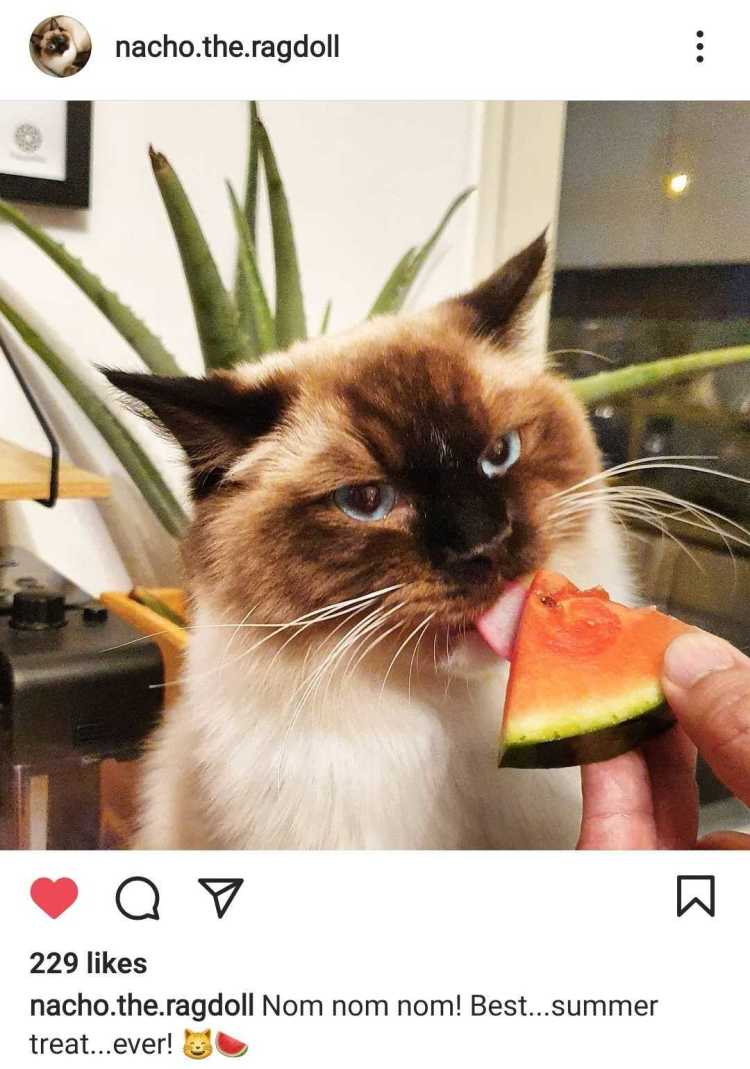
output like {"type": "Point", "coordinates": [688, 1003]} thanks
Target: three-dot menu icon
{"type": "Point", "coordinates": [699, 46]}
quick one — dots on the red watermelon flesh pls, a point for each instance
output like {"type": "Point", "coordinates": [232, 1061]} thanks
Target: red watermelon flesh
{"type": "Point", "coordinates": [228, 1046]}
{"type": "Point", "coordinates": [584, 676]}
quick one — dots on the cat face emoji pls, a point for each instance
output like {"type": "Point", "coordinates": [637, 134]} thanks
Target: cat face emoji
{"type": "Point", "coordinates": [197, 1044]}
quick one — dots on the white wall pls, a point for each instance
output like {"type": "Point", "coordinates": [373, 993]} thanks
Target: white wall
{"type": "Point", "coordinates": [365, 181]}
{"type": "Point", "coordinates": [519, 189]}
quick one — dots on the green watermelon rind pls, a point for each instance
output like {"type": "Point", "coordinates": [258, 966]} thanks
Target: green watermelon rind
{"type": "Point", "coordinates": [583, 718]}
{"type": "Point", "coordinates": [589, 747]}
{"type": "Point", "coordinates": [237, 1054]}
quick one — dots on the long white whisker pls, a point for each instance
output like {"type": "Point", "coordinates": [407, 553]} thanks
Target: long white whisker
{"type": "Point", "coordinates": [295, 634]}
{"type": "Point", "coordinates": [309, 685]}
{"type": "Point", "coordinates": [352, 645]}
{"type": "Point", "coordinates": [641, 494]}
{"type": "Point", "coordinates": [360, 654]}
{"type": "Point", "coordinates": [581, 352]}
{"type": "Point", "coordinates": [235, 633]}
{"type": "Point", "coordinates": [361, 627]}
{"type": "Point", "coordinates": [402, 647]}
{"type": "Point", "coordinates": [627, 466]}
{"type": "Point", "coordinates": [646, 514]}
{"type": "Point", "coordinates": [315, 616]}
{"type": "Point", "coordinates": [424, 628]}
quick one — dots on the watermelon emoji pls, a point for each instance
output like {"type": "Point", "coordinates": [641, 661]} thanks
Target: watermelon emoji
{"type": "Point", "coordinates": [584, 673]}
{"type": "Point", "coordinates": [228, 1046]}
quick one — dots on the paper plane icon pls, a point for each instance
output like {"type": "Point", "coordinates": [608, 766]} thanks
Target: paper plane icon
{"type": "Point", "coordinates": [223, 892]}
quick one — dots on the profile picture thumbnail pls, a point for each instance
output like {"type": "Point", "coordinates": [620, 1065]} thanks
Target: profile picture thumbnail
{"type": "Point", "coordinates": [60, 46]}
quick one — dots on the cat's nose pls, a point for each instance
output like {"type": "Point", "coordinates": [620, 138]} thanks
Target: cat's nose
{"type": "Point", "coordinates": [465, 534]}
{"type": "Point", "coordinates": [477, 565]}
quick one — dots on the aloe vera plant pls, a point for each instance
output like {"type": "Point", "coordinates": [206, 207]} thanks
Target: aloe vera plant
{"type": "Point", "coordinates": [241, 324]}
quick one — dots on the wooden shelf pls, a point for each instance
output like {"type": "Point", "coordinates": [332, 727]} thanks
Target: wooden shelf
{"type": "Point", "coordinates": [24, 476]}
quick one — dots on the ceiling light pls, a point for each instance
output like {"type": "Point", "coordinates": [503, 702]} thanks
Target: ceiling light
{"type": "Point", "coordinates": [677, 184]}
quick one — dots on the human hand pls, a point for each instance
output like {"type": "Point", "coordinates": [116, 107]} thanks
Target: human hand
{"type": "Point", "coordinates": [647, 799]}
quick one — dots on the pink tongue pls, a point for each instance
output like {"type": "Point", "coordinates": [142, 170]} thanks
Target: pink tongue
{"type": "Point", "coordinates": [499, 624]}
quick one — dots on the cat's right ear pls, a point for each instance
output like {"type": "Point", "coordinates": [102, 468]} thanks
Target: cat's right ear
{"type": "Point", "coordinates": [214, 419]}
{"type": "Point", "coordinates": [499, 307]}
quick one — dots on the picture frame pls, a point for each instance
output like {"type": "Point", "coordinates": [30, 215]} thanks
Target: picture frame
{"type": "Point", "coordinates": [45, 152]}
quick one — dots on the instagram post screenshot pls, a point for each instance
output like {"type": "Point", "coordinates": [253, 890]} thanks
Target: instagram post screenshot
{"type": "Point", "coordinates": [374, 534]}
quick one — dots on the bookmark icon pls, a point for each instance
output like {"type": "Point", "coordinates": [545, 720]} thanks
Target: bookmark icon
{"type": "Point", "coordinates": [697, 891]}
{"type": "Point", "coordinates": [222, 891]}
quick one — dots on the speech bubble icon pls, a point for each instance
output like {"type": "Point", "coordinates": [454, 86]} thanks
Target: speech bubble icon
{"type": "Point", "coordinates": [137, 898]}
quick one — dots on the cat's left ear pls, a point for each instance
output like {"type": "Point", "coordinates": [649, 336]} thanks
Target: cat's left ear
{"type": "Point", "coordinates": [214, 419]}
{"type": "Point", "coordinates": [499, 307]}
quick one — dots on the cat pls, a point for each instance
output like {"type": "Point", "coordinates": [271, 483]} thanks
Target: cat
{"type": "Point", "coordinates": [197, 1044]}
{"type": "Point", "coordinates": [369, 494]}
{"type": "Point", "coordinates": [61, 46]}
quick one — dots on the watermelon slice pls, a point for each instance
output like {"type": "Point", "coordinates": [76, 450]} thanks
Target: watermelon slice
{"type": "Point", "coordinates": [228, 1046]}
{"type": "Point", "coordinates": [584, 677]}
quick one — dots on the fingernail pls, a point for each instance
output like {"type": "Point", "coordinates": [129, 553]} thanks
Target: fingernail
{"type": "Point", "coordinates": [691, 657]}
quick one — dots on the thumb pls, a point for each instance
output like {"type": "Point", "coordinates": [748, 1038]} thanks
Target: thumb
{"type": "Point", "coordinates": [707, 685]}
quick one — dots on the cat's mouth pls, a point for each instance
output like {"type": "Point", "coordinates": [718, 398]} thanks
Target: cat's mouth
{"type": "Point", "coordinates": [493, 629]}
{"type": "Point", "coordinates": [498, 624]}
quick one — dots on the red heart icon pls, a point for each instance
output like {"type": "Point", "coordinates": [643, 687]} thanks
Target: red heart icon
{"type": "Point", "coordinates": [54, 896]}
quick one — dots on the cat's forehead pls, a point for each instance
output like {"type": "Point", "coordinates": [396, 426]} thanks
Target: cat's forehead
{"type": "Point", "coordinates": [423, 405]}
{"type": "Point", "coordinates": [419, 391]}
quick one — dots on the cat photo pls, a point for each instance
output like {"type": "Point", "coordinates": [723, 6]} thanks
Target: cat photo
{"type": "Point", "coordinates": [60, 46]}
{"type": "Point", "coordinates": [197, 1044]}
{"type": "Point", "coordinates": [360, 501]}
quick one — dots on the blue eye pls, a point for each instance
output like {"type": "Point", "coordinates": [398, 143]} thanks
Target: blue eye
{"type": "Point", "coordinates": [365, 501]}
{"type": "Point", "coordinates": [502, 456]}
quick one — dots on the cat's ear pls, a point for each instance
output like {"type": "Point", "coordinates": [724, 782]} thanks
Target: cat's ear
{"type": "Point", "coordinates": [214, 419]}
{"type": "Point", "coordinates": [36, 39]}
{"type": "Point", "coordinates": [207, 1034]}
{"type": "Point", "coordinates": [53, 24]}
{"type": "Point", "coordinates": [500, 306]}
{"type": "Point", "coordinates": [187, 1033]}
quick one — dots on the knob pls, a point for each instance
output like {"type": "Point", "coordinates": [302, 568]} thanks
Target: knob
{"type": "Point", "coordinates": [37, 610]}
{"type": "Point", "coordinates": [94, 614]}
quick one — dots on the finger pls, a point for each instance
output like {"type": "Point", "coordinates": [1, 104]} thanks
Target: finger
{"type": "Point", "coordinates": [707, 684]}
{"type": "Point", "coordinates": [670, 758]}
{"type": "Point", "coordinates": [724, 840]}
{"type": "Point", "coordinates": [617, 805]}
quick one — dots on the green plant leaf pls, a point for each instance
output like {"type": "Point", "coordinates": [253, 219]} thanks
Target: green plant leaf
{"type": "Point", "coordinates": [222, 341]}
{"type": "Point", "coordinates": [241, 285]}
{"type": "Point", "coordinates": [251, 185]}
{"type": "Point", "coordinates": [400, 281]}
{"type": "Point", "coordinates": [326, 317]}
{"type": "Point", "coordinates": [130, 454]}
{"type": "Point", "coordinates": [291, 324]}
{"type": "Point", "coordinates": [145, 597]}
{"type": "Point", "coordinates": [606, 384]}
{"type": "Point", "coordinates": [259, 318]}
{"type": "Point", "coordinates": [390, 299]}
{"type": "Point", "coordinates": [135, 332]}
